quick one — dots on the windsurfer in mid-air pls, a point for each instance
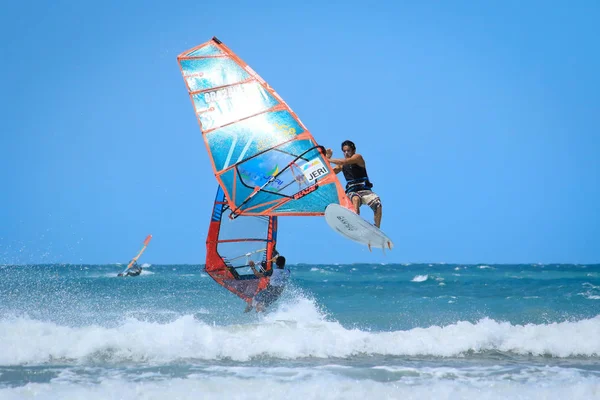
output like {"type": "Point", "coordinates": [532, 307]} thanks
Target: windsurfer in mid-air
{"type": "Point", "coordinates": [133, 270]}
{"type": "Point", "coordinates": [358, 185]}
{"type": "Point", "coordinates": [277, 282]}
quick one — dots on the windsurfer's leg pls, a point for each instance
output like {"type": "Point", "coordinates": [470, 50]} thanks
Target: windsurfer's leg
{"type": "Point", "coordinates": [271, 295]}
{"type": "Point", "coordinates": [377, 216]}
{"type": "Point", "coordinates": [374, 202]}
{"type": "Point", "coordinates": [356, 203]}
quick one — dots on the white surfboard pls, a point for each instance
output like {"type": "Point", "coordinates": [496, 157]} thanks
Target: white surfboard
{"type": "Point", "coordinates": [353, 227]}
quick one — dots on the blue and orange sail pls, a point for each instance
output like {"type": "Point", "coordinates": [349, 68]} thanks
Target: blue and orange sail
{"type": "Point", "coordinates": [262, 155]}
{"type": "Point", "coordinates": [230, 245]}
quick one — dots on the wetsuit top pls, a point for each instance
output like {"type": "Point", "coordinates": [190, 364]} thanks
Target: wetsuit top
{"type": "Point", "coordinates": [279, 277]}
{"type": "Point", "coordinates": [356, 178]}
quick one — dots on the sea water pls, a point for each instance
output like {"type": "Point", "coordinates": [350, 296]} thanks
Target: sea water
{"type": "Point", "coordinates": [360, 331]}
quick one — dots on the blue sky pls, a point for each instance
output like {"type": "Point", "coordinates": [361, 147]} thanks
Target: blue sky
{"type": "Point", "coordinates": [479, 123]}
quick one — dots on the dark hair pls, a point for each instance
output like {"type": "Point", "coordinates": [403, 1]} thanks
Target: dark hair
{"type": "Point", "coordinates": [348, 143]}
{"type": "Point", "coordinates": [280, 261]}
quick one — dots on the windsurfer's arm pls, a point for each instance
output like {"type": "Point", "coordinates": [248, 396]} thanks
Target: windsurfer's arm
{"type": "Point", "coordinates": [258, 274]}
{"type": "Point", "coordinates": [355, 159]}
{"type": "Point", "coordinates": [328, 154]}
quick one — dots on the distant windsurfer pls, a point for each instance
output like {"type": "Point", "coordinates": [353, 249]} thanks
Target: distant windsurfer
{"type": "Point", "coordinates": [277, 282]}
{"type": "Point", "coordinates": [133, 270]}
{"type": "Point", "coordinates": [358, 185]}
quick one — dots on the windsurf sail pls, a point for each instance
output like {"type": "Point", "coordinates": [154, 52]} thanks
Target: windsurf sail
{"type": "Point", "coordinates": [134, 259]}
{"type": "Point", "coordinates": [232, 243]}
{"type": "Point", "coordinates": [262, 155]}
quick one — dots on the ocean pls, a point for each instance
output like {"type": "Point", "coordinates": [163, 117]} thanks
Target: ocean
{"type": "Point", "coordinates": [359, 331]}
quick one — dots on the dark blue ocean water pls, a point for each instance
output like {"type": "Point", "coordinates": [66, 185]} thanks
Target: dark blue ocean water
{"type": "Point", "coordinates": [338, 332]}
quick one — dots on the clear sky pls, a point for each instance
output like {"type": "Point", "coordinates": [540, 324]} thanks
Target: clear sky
{"type": "Point", "coordinates": [479, 123]}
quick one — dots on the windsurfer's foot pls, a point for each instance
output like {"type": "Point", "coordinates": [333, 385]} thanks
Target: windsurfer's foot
{"type": "Point", "coordinates": [248, 308]}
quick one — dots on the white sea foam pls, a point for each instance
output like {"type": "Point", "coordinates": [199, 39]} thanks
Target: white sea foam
{"type": "Point", "coordinates": [420, 278]}
{"type": "Point", "coordinates": [592, 292]}
{"type": "Point", "coordinates": [299, 384]}
{"type": "Point", "coordinates": [293, 331]}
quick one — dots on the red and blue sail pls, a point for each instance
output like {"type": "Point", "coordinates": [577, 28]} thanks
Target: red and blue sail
{"type": "Point", "coordinates": [232, 243]}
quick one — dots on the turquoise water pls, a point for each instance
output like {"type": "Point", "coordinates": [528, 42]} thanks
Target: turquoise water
{"type": "Point", "coordinates": [338, 332]}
